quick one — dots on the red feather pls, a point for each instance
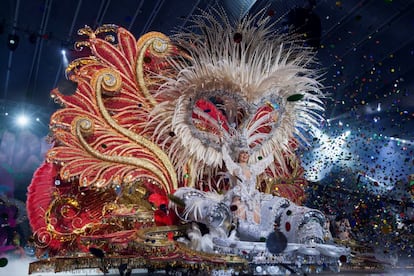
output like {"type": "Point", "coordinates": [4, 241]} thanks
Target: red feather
{"type": "Point", "coordinates": [40, 194]}
{"type": "Point", "coordinates": [212, 111]}
{"type": "Point", "coordinates": [158, 200]}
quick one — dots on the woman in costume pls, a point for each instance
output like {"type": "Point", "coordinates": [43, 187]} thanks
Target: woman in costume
{"type": "Point", "coordinates": [243, 197]}
{"type": "Point", "coordinates": [255, 214]}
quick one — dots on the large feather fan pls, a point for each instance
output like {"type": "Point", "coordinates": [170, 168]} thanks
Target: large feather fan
{"type": "Point", "coordinates": [243, 85]}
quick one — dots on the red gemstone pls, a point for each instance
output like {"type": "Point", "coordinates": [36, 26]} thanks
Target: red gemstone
{"type": "Point", "coordinates": [287, 226]}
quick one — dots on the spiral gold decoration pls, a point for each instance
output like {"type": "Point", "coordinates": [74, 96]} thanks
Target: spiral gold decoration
{"type": "Point", "coordinates": [50, 230]}
{"type": "Point", "coordinates": [158, 152]}
{"type": "Point", "coordinates": [111, 80]}
{"type": "Point", "coordinates": [158, 44]}
{"type": "Point", "coordinates": [127, 160]}
{"type": "Point", "coordinates": [85, 124]}
{"type": "Point", "coordinates": [42, 237]}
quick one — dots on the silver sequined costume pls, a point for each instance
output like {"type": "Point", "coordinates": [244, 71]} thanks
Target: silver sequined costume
{"type": "Point", "coordinates": [299, 224]}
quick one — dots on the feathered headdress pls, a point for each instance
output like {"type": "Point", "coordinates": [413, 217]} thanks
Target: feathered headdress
{"type": "Point", "coordinates": [240, 83]}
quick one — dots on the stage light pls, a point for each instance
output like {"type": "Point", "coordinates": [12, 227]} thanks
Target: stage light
{"type": "Point", "coordinates": [65, 60]}
{"type": "Point", "coordinates": [13, 42]}
{"type": "Point", "coordinates": [22, 120]}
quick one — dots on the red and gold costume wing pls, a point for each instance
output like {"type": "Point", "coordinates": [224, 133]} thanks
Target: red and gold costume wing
{"type": "Point", "coordinates": [97, 133]}
{"type": "Point", "coordinates": [103, 157]}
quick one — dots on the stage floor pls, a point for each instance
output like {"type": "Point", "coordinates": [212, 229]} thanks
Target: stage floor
{"type": "Point", "coordinates": [20, 267]}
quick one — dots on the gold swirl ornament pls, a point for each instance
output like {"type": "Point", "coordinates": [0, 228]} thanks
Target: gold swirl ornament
{"type": "Point", "coordinates": [111, 81]}
{"type": "Point", "coordinates": [158, 45]}
{"type": "Point", "coordinates": [65, 204]}
{"type": "Point", "coordinates": [98, 82]}
{"type": "Point", "coordinates": [84, 124]}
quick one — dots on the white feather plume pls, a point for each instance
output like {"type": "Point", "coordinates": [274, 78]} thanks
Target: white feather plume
{"type": "Point", "coordinates": [256, 65]}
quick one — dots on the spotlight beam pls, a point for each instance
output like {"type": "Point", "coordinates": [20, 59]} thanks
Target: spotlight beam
{"type": "Point", "coordinates": [22, 120]}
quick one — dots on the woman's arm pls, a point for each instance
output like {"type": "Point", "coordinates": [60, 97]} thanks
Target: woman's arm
{"type": "Point", "coordinates": [228, 161]}
{"type": "Point", "coordinates": [261, 165]}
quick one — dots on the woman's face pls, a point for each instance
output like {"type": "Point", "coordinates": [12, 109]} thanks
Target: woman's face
{"type": "Point", "coordinates": [243, 156]}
